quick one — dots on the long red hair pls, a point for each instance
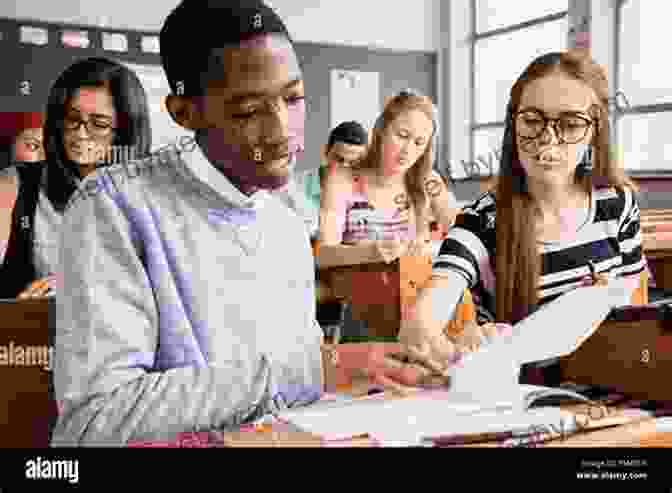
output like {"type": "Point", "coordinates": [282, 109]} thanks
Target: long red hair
{"type": "Point", "coordinates": [517, 261]}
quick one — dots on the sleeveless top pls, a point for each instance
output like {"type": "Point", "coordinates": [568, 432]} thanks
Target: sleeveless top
{"type": "Point", "coordinates": [365, 222]}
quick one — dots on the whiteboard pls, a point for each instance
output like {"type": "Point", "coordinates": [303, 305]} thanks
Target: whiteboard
{"type": "Point", "coordinates": [354, 96]}
{"type": "Point", "coordinates": [164, 130]}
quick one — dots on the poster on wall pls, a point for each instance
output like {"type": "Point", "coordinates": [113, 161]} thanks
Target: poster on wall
{"type": "Point", "coordinates": [164, 130]}
{"type": "Point", "coordinates": [354, 96]}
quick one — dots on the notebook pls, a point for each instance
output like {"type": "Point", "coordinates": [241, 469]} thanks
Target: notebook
{"type": "Point", "coordinates": [407, 421]}
{"type": "Point", "coordinates": [484, 394]}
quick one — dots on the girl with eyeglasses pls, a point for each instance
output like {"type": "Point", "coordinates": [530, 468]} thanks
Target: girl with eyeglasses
{"type": "Point", "coordinates": [561, 202]}
{"type": "Point", "coordinates": [94, 105]}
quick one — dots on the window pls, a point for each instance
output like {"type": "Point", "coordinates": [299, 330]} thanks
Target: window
{"type": "Point", "coordinates": [495, 14]}
{"type": "Point", "coordinates": [487, 149]}
{"type": "Point", "coordinates": [642, 126]}
{"type": "Point", "coordinates": [507, 36]}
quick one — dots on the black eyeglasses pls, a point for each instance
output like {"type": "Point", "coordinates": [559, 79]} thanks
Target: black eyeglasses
{"type": "Point", "coordinates": [93, 127]}
{"type": "Point", "coordinates": [570, 128]}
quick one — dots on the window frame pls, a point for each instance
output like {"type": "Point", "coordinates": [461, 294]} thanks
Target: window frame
{"type": "Point", "coordinates": [475, 37]}
{"type": "Point", "coordinates": [629, 110]}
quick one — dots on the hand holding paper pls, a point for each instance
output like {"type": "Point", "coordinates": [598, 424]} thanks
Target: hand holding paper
{"type": "Point", "coordinates": [557, 329]}
{"type": "Point", "coordinates": [476, 335]}
{"type": "Point", "coordinates": [374, 363]}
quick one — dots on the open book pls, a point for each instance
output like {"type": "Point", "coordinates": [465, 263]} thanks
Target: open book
{"type": "Point", "coordinates": [484, 395]}
{"type": "Point", "coordinates": [410, 420]}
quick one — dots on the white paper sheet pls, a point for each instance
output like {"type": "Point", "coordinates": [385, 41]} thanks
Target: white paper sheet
{"type": "Point", "coordinates": [555, 330]}
{"type": "Point", "coordinates": [34, 35]}
{"type": "Point", "coordinates": [115, 42]}
{"type": "Point", "coordinates": [354, 96]}
{"type": "Point", "coordinates": [484, 394]}
{"type": "Point", "coordinates": [560, 327]}
{"type": "Point", "coordinates": [405, 422]}
{"type": "Point", "coordinates": [150, 44]}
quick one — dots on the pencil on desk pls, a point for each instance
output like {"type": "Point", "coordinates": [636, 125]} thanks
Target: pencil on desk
{"type": "Point", "coordinates": [464, 312]}
{"type": "Point", "coordinates": [477, 438]}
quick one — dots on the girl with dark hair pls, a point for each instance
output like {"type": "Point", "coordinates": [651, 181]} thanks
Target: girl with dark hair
{"type": "Point", "coordinates": [20, 147]}
{"type": "Point", "coordinates": [561, 202]}
{"type": "Point", "coordinates": [94, 104]}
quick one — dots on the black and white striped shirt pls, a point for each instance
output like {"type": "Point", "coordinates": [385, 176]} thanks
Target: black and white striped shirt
{"type": "Point", "coordinates": [610, 237]}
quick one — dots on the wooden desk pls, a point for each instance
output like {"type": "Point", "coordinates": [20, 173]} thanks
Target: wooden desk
{"type": "Point", "coordinates": [380, 294]}
{"type": "Point", "coordinates": [27, 408]}
{"type": "Point", "coordinates": [656, 225]}
{"type": "Point", "coordinates": [641, 433]}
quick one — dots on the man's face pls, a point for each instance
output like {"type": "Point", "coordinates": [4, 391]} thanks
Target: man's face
{"type": "Point", "coordinates": [346, 155]}
{"type": "Point", "coordinates": [254, 111]}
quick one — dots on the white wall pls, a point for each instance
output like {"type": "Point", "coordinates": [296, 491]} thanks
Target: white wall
{"type": "Point", "coordinates": [375, 23]}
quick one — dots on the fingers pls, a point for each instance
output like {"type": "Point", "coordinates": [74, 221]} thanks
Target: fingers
{"type": "Point", "coordinates": [390, 385]}
{"type": "Point", "coordinates": [32, 290]}
{"type": "Point", "coordinates": [425, 357]}
{"type": "Point", "coordinates": [37, 289]}
{"type": "Point", "coordinates": [390, 249]}
{"type": "Point", "coordinates": [420, 248]}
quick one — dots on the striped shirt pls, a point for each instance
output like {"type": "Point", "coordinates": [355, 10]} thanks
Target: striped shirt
{"type": "Point", "coordinates": [610, 237]}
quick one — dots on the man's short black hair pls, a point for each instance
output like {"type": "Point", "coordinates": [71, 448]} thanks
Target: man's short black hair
{"type": "Point", "coordinates": [196, 27]}
{"type": "Point", "coordinates": [351, 132]}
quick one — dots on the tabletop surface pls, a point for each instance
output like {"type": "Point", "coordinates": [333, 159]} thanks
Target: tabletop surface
{"type": "Point", "coordinates": [627, 429]}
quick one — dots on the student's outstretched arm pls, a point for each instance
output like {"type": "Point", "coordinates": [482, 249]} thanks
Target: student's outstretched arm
{"type": "Point", "coordinates": [424, 327]}
{"type": "Point", "coordinates": [108, 338]}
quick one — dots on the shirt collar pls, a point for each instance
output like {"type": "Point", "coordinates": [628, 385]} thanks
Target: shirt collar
{"type": "Point", "coordinates": [201, 167]}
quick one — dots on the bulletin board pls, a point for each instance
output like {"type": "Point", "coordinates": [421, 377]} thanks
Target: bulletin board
{"type": "Point", "coordinates": [354, 95]}
{"type": "Point", "coordinates": [30, 69]}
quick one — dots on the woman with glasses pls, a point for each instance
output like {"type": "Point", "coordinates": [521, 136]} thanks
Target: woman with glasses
{"type": "Point", "coordinates": [94, 106]}
{"type": "Point", "coordinates": [561, 201]}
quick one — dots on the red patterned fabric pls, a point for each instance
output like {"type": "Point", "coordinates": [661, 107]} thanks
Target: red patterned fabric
{"type": "Point", "coordinates": [12, 123]}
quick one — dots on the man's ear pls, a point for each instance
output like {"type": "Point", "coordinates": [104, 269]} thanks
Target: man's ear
{"type": "Point", "coordinates": [324, 153]}
{"type": "Point", "coordinates": [183, 110]}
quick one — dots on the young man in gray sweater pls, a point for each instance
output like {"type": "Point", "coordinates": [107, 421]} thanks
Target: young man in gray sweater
{"type": "Point", "coordinates": [188, 298]}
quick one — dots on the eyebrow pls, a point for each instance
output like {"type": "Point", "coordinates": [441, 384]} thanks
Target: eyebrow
{"type": "Point", "coordinates": [560, 113]}
{"type": "Point", "coordinates": [402, 127]}
{"type": "Point", "coordinates": [95, 115]}
{"type": "Point", "coordinates": [245, 96]}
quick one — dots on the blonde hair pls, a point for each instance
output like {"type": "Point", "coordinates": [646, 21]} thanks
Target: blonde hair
{"type": "Point", "coordinates": [419, 173]}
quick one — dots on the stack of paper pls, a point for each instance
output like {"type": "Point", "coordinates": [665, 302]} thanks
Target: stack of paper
{"type": "Point", "coordinates": [484, 395]}
{"type": "Point", "coordinates": [406, 421]}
